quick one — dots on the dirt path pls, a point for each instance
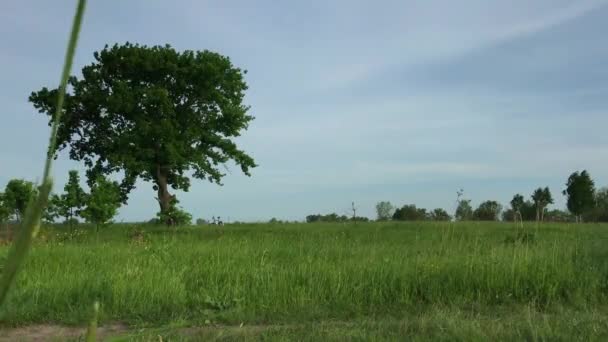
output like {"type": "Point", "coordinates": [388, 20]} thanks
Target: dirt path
{"type": "Point", "coordinates": [49, 332]}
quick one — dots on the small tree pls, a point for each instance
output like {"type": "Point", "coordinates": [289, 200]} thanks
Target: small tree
{"type": "Point", "coordinates": [73, 200]}
{"type": "Point", "coordinates": [464, 211]}
{"type": "Point", "coordinates": [384, 210]}
{"type": "Point", "coordinates": [51, 212]}
{"type": "Point", "coordinates": [103, 202]}
{"type": "Point", "coordinates": [17, 195]}
{"type": "Point", "coordinates": [439, 214]}
{"type": "Point", "coordinates": [517, 204]}
{"type": "Point", "coordinates": [580, 190]}
{"type": "Point", "coordinates": [542, 198]}
{"type": "Point", "coordinates": [487, 211]}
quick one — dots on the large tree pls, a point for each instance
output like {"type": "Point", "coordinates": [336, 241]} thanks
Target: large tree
{"type": "Point", "coordinates": [542, 198]}
{"type": "Point", "coordinates": [580, 190]}
{"type": "Point", "coordinates": [153, 113]}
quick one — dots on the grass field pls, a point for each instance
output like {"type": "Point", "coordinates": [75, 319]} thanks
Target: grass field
{"type": "Point", "coordinates": [383, 281]}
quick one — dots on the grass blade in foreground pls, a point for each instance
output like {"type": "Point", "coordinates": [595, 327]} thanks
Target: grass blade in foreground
{"type": "Point", "coordinates": [31, 221]}
{"type": "Point", "coordinates": [92, 329]}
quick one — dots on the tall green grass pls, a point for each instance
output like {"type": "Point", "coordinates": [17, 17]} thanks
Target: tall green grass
{"type": "Point", "coordinates": [31, 221]}
{"type": "Point", "coordinates": [294, 273]}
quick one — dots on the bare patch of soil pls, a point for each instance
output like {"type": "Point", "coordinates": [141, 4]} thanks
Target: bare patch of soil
{"type": "Point", "coordinates": [49, 332]}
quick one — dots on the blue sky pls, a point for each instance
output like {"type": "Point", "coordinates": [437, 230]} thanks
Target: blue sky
{"type": "Point", "coordinates": [363, 101]}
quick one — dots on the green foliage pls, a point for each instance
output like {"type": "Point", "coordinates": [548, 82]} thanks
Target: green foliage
{"type": "Point", "coordinates": [439, 214]}
{"type": "Point", "coordinates": [301, 273]}
{"type": "Point", "coordinates": [517, 203]}
{"type": "Point", "coordinates": [35, 208]}
{"type": "Point", "coordinates": [580, 190]}
{"type": "Point", "coordinates": [153, 113]}
{"type": "Point", "coordinates": [487, 211]}
{"type": "Point", "coordinates": [525, 210]}
{"type": "Point", "coordinates": [464, 211]}
{"type": "Point", "coordinates": [51, 212]}
{"type": "Point", "coordinates": [542, 198]}
{"type": "Point", "coordinates": [599, 213]}
{"type": "Point", "coordinates": [5, 210]}
{"type": "Point", "coordinates": [384, 211]}
{"type": "Point", "coordinates": [333, 217]}
{"type": "Point", "coordinates": [92, 328]}
{"type": "Point", "coordinates": [103, 202]}
{"type": "Point", "coordinates": [359, 219]}
{"type": "Point", "coordinates": [409, 212]}
{"type": "Point", "coordinates": [74, 198]}
{"type": "Point", "coordinates": [522, 237]}
{"type": "Point", "coordinates": [174, 216]}
{"type": "Point", "coordinates": [17, 195]}
{"type": "Point", "coordinates": [557, 215]}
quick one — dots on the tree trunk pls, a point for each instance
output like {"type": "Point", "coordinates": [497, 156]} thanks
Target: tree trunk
{"type": "Point", "coordinates": [164, 197]}
{"type": "Point", "coordinates": [542, 215]}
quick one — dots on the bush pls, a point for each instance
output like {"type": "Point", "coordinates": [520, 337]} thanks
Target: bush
{"type": "Point", "coordinates": [175, 216]}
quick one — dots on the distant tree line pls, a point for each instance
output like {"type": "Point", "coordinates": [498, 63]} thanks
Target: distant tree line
{"type": "Point", "coordinates": [98, 206]}
{"type": "Point", "coordinates": [584, 204]}
{"type": "Point", "coordinates": [333, 217]}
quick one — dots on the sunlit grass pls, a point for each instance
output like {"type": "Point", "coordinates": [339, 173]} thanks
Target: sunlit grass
{"type": "Point", "coordinates": [298, 273]}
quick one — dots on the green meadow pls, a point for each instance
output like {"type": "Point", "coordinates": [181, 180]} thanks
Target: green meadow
{"type": "Point", "coordinates": [452, 281]}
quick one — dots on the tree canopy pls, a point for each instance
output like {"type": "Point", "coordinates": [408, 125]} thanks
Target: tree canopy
{"type": "Point", "coordinates": [487, 211]}
{"type": "Point", "coordinates": [439, 214]}
{"type": "Point", "coordinates": [464, 211]}
{"type": "Point", "coordinates": [580, 190]}
{"type": "Point", "coordinates": [17, 195]}
{"type": "Point", "coordinates": [409, 212]}
{"type": "Point", "coordinates": [5, 212]}
{"type": "Point", "coordinates": [153, 113]}
{"type": "Point", "coordinates": [103, 202]}
{"type": "Point", "coordinates": [384, 210]}
{"type": "Point", "coordinates": [542, 198]}
{"type": "Point", "coordinates": [70, 203]}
